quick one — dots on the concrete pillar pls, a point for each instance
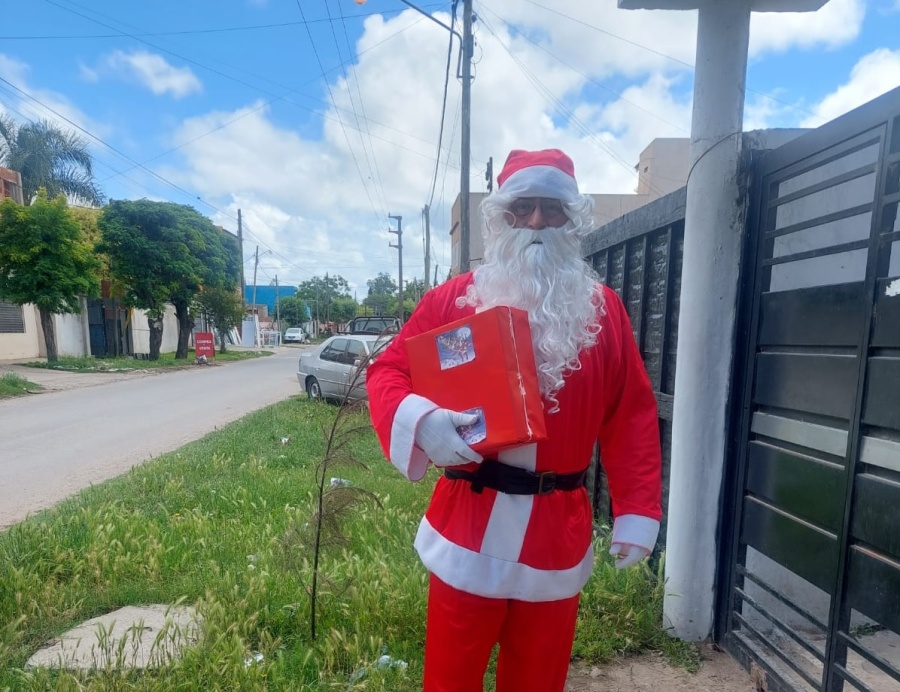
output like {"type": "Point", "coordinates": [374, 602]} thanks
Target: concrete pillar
{"type": "Point", "coordinates": [714, 224]}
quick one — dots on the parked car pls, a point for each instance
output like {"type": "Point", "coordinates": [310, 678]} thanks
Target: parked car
{"type": "Point", "coordinates": [295, 335]}
{"type": "Point", "coordinates": [374, 325]}
{"type": "Point", "coordinates": [327, 371]}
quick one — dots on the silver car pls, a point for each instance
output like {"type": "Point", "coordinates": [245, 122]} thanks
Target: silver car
{"type": "Point", "coordinates": [327, 371]}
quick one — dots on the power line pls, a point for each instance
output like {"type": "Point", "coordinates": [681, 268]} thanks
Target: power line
{"type": "Point", "coordinates": [565, 110]}
{"type": "Point", "coordinates": [376, 174]}
{"type": "Point", "coordinates": [362, 178]}
{"type": "Point", "coordinates": [437, 159]}
{"type": "Point", "coordinates": [588, 78]}
{"type": "Point", "coordinates": [191, 32]}
{"type": "Point", "coordinates": [662, 55]}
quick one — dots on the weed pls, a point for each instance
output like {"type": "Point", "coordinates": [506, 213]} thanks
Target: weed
{"type": "Point", "coordinates": [13, 384]}
{"type": "Point", "coordinates": [206, 525]}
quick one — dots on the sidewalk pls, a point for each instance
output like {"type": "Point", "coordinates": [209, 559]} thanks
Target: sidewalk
{"type": "Point", "coordinates": [60, 380]}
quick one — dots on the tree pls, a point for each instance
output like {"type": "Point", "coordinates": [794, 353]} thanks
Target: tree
{"type": "Point", "coordinates": [344, 309]}
{"type": "Point", "coordinates": [45, 260]}
{"type": "Point", "coordinates": [50, 158]}
{"type": "Point", "coordinates": [381, 290]}
{"type": "Point", "coordinates": [320, 293]}
{"type": "Point", "coordinates": [163, 252]}
{"type": "Point", "coordinates": [224, 308]}
{"type": "Point", "coordinates": [292, 310]}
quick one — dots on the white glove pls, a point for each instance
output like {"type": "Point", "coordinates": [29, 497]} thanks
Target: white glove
{"type": "Point", "coordinates": [627, 554]}
{"type": "Point", "coordinates": [436, 435]}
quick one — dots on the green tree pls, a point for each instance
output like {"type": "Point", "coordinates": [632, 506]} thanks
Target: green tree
{"type": "Point", "coordinates": [382, 290]}
{"type": "Point", "coordinates": [224, 308]}
{"type": "Point", "coordinates": [50, 158]}
{"type": "Point", "coordinates": [163, 252]}
{"type": "Point", "coordinates": [292, 310]}
{"type": "Point", "coordinates": [45, 260]}
{"type": "Point", "coordinates": [321, 293]}
{"type": "Point", "coordinates": [344, 309]}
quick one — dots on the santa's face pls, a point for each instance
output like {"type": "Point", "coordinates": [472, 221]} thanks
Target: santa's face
{"type": "Point", "coordinates": [533, 265]}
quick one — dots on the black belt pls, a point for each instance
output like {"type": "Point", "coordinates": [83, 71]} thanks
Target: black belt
{"type": "Point", "coordinates": [515, 481]}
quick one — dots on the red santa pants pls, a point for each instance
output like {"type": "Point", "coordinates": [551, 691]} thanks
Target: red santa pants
{"type": "Point", "coordinates": [535, 641]}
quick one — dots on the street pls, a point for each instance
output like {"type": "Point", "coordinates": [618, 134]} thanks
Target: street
{"type": "Point", "coordinates": [56, 443]}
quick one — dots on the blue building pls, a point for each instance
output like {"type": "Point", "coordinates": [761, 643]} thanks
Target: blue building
{"type": "Point", "coordinates": [266, 295]}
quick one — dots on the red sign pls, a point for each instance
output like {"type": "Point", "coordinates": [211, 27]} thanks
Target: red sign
{"type": "Point", "coordinates": [204, 345]}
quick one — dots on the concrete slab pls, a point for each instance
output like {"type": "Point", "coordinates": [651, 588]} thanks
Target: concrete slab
{"type": "Point", "coordinates": [147, 636]}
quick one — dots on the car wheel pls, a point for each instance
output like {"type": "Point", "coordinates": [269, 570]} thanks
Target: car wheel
{"type": "Point", "coordinates": [313, 389]}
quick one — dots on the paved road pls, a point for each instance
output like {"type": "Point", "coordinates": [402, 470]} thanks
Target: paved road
{"type": "Point", "coordinates": [88, 428]}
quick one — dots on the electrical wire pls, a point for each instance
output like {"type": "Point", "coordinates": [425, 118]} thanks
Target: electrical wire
{"type": "Point", "coordinates": [559, 106]}
{"type": "Point", "coordinates": [663, 55]}
{"type": "Point", "coordinates": [191, 32]}
{"type": "Point", "coordinates": [373, 163]}
{"type": "Point", "coordinates": [362, 178]}
{"type": "Point", "coordinates": [437, 159]}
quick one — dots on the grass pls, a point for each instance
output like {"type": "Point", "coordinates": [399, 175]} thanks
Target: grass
{"type": "Point", "coordinates": [12, 384]}
{"type": "Point", "coordinates": [215, 525]}
{"type": "Point", "coordinates": [166, 360]}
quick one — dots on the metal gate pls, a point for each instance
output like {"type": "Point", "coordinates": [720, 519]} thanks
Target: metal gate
{"type": "Point", "coordinates": [811, 595]}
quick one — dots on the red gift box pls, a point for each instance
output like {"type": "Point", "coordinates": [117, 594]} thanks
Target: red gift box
{"type": "Point", "coordinates": [483, 364]}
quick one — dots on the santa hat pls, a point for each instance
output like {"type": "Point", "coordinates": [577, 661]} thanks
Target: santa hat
{"type": "Point", "coordinates": [545, 173]}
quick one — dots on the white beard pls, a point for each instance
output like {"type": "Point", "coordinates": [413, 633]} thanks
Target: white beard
{"type": "Point", "coordinates": [550, 281]}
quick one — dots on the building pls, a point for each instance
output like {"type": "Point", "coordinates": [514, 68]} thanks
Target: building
{"type": "Point", "coordinates": [662, 168]}
{"type": "Point", "coordinates": [11, 185]}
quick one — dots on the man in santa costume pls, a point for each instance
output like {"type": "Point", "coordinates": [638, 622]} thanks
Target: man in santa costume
{"type": "Point", "coordinates": [507, 556]}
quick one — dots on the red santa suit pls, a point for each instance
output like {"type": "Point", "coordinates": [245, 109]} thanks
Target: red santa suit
{"type": "Point", "coordinates": [507, 567]}
{"type": "Point", "coordinates": [531, 547]}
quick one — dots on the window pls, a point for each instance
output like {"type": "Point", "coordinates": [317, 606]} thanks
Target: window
{"type": "Point", "coordinates": [334, 352]}
{"type": "Point", "coordinates": [12, 319]}
{"type": "Point", "coordinates": [356, 351]}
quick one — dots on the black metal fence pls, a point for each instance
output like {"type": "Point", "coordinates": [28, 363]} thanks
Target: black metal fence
{"type": "Point", "coordinates": [639, 255]}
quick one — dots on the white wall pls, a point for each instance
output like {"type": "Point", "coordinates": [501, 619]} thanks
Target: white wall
{"type": "Point", "coordinates": [72, 335]}
{"type": "Point", "coordinates": [140, 332]}
{"type": "Point", "coordinates": [23, 346]}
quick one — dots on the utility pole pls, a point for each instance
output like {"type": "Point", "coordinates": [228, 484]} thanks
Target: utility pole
{"type": "Point", "coordinates": [241, 244]}
{"type": "Point", "coordinates": [464, 230]}
{"type": "Point", "coordinates": [399, 247]}
{"type": "Point", "coordinates": [255, 266]}
{"type": "Point", "coordinates": [277, 307]}
{"type": "Point", "coordinates": [426, 212]}
{"type": "Point", "coordinates": [255, 311]}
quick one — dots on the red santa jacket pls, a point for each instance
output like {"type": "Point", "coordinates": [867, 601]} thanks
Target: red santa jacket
{"type": "Point", "coordinates": [531, 547]}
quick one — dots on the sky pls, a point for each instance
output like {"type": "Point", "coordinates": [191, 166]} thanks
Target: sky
{"type": "Point", "coordinates": [321, 119]}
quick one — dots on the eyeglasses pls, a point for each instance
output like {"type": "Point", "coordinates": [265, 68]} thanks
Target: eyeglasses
{"type": "Point", "coordinates": [551, 209]}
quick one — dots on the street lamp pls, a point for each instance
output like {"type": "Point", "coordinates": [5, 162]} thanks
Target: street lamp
{"type": "Point", "coordinates": [466, 41]}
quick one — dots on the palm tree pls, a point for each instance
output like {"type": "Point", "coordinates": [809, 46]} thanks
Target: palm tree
{"type": "Point", "coordinates": [48, 157]}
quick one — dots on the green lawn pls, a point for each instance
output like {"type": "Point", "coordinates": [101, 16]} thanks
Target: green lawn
{"type": "Point", "coordinates": [12, 384]}
{"type": "Point", "coordinates": [223, 524]}
{"type": "Point", "coordinates": [166, 360]}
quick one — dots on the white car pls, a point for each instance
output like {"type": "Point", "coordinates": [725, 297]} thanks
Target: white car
{"type": "Point", "coordinates": [295, 335]}
{"type": "Point", "coordinates": [328, 371]}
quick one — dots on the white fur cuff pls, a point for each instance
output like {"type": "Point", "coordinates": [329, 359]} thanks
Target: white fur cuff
{"type": "Point", "coordinates": [405, 456]}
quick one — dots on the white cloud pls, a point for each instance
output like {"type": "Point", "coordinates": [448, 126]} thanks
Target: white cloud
{"type": "Point", "coordinates": [153, 72]}
{"type": "Point", "coordinates": [28, 102]}
{"type": "Point", "coordinates": [836, 24]}
{"type": "Point", "coordinates": [874, 74]}
{"type": "Point", "coordinates": [323, 204]}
